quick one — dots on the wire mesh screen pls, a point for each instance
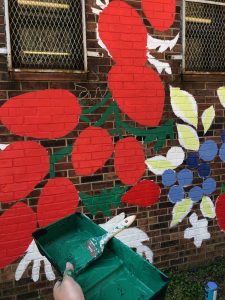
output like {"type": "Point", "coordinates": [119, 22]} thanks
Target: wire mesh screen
{"type": "Point", "coordinates": [46, 34]}
{"type": "Point", "coordinates": [205, 36]}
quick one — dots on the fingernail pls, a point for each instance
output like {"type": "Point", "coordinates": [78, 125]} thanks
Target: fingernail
{"type": "Point", "coordinates": [69, 266]}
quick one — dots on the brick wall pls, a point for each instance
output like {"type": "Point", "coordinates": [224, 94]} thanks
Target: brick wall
{"type": "Point", "coordinates": [169, 247]}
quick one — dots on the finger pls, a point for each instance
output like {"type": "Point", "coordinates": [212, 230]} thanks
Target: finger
{"type": "Point", "coordinates": [36, 270]}
{"type": "Point", "coordinates": [48, 270]}
{"type": "Point", "coordinates": [22, 267]}
{"type": "Point", "coordinates": [69, 271]}
{"type": "Point", "coordinates": [57, 285]}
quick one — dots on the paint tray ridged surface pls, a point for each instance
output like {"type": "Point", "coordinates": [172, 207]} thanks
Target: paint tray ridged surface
{"type": "Point", "coordinates": [119, 273]}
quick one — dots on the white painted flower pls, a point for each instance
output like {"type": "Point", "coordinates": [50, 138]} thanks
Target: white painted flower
{"type": "Point", "coordinates": [198, 231]}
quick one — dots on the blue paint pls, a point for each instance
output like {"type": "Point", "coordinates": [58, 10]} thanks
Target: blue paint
{"type": "Point", "coordinates": [185, 177]}
{"type": "Point", "coordinates": [196, 194]}
{"type": "Point", "coordinates": [208, 150]}
{"type": "Point", "coordinates": [209, 186]}
{"type": "Point", "coordinates": [176, 194]}
{"type": "Point", "coordinates": [169, 177]}
{"type": "Point", "coordinates": [192, 160]}
{"type": "Point", "coordinates": [211, 291]}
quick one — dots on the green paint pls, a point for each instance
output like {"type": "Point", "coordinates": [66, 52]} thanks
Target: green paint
{"type": "Point", "coordinates": [118, 274]}
{"type": "Point", "coordinates": [223, 188]}
{"type": "Point", "coordinates": [57, 156]}
{"type": "Point", "coordinates": [104, 200]}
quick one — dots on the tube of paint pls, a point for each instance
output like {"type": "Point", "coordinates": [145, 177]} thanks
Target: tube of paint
{"type": "Point", "coordinates": [211, 291]}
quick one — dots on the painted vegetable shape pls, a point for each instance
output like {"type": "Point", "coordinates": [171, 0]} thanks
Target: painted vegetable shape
{"type": "Point", "coordinates": [161, 14]}
{"type": "Point", "coordinates": [129, 160]}
{"type": "Point", "coordinates": [17, 225]}
{"type": "Point", "coordinates": [145, 193]}
{"type": "Point", "coordinates": [220, 211]}
{"type": "Point", "coordinates": [23, 166]}
{"type": "Point", "coordinates": [43, 114]}
{"type": "Point", "coordinates": [58, 199]}
{"type": "Point", "coordinates": [139, 92]}
{"type": "Point", "coordinates": [91, 150]}
{"type": "Point", "coordinates": [122, 31]}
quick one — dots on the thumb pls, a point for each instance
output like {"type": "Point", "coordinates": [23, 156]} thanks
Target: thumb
{"type": "Point", "coordinates": [69, 271]}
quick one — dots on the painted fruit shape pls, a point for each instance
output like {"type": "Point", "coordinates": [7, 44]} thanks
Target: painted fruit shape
{"type": "Point", "coordinates": [58, 199]}
{"type": "Point", "coordinates": [129, 160]}
{"type": "Point", "coordinates": [42, 114]}
{"type": "Point", "coordinates": [23, 166]}
{"type": "Point", "coordinates": [144, 193]}
{"type": "Point", "coordinates": [17, 225]}
{"type": "Point", "coordinates": [122, 31]}
{"type": "Point", "coordinates": [220, 211]}
{"type": "Point", "coordinates": [91, 150]}
{"type": "Point", "coordinates": [139, 92]}
{"type": "Point", "coordinates": [161, 14]}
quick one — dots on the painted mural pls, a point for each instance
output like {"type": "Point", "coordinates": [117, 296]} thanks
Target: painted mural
{"type": "Point", "coordinates": [137, 90]}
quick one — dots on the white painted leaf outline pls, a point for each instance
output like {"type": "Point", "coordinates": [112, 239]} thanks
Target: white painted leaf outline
{"type": "Point", "coordinates": [208, 116]}
{"type": "Point", "coordinates": [184, 106]}
{"type": "Point", "coordinates": [190, 142]}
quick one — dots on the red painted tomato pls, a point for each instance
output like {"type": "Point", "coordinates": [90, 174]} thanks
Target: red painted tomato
{"type": "Point", "coordinates": [91, 150]}
{"type": "Point", "coordinates": [43, 114]}
{"type": "Point", "coordinates": [161, 14]}
{"type": "Point", "coordinates": [23, 166]}
{"type": "Point", "coordinates": [58, 199]}
{"type": "Point", "coordinates": [17, 225]}
{"type": "Point", "coordinates": [122, 31]}
{"type": "Point", "coordinates": [129, 160]}
{"type": "Point", "coordinates": [139, 92]}
{"type": "Point", "coordinates": [145, 193]}
{"type": "Point", "coordinates": [220, 211]}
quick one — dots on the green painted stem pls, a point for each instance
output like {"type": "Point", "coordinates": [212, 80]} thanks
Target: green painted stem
{"type": "Point", "coordinates": [57, 156]}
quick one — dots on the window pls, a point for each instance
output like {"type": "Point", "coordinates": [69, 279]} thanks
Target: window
{"type": "Point", "coordinates": [46, 35]}
{"type": "Point", "coordinates": [204, 36]}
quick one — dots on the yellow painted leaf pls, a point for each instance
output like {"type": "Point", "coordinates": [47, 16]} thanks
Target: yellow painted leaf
{"type": "Point", "coordinates": [207, 208]}
{"type": "Point", "coordinates": [208, 117]}
{"type": "Point", "coordinates": [188, 137]}
{"type": "Point", "coordinates": [184, 106]}
{"type": "Point", "coordinates": [221, 95]}
{"type": "Point", "coordinates": [180, 211]}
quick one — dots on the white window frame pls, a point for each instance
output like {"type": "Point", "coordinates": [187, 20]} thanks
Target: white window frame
{"type": "Point", "coordinates": [184, 33]}
{"type": "Point", "coordinates": [9, 49]}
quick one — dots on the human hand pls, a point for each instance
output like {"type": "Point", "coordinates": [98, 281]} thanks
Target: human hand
{"type": "Point", "coordinates": [68, 289]}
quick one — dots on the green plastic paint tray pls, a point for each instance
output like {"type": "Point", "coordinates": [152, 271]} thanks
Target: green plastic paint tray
{"type": "Point", "coordinates": [119, 273]}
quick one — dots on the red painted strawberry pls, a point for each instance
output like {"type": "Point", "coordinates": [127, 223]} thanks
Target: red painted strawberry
{"type": "Point", "coordinates": [145, 193]}
{"type": "Point", "coordinates": [161, 14]}
{"type": "Point", "coordinates": [139, 92]}
{"type": "Point", "coordinates": [58, 199]}
{"type": "Point", "coordinates": [129, 160]}
{"type": "Point", "coordinates": [22, 166]}
{"type": "Point", "coordinates": [43, 114]}
{"type": "Point", "coordinates": [122, 31]}
{"type": "Point", "coordinates": [220, 211]}
{"type": "Point", "coordinates": [17, 225]}
{"type": "Point", "coordinates": [91, 150]}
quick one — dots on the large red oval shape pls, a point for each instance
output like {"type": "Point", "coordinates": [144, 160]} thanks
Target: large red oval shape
{"type": "Point", "coordinates": [91, 150]}
{"type": "Point", "coordinates": [58, 199]}
{"type": "Point", "coordinates": [17, 225]}
{"type": "Point", "coordinates": [139, 92]}
{"type": "Point", "coordinates": [43, 114]}
{"type": "Point", "coordinates": [122, 31]}
{"type": "Point", "coordinates": [161, 14]}
{"type": "Point", "coordinates": [129, 160]}
{"type": "Point", "coordinates": [23, 165]}
{"type": "Point", "coordinates": [220, 211]}
{"type": "Point", "coordinates": [144, 193]}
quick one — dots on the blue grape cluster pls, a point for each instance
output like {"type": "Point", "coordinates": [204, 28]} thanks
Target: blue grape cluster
{"type": "Point", "coordinates": [200, 161]}
{"type": "Point", "coordinates": [222, 148]}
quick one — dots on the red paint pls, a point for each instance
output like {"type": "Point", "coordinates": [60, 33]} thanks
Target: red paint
{"type": "Point", "coordinates": [43, 114]}
{"type": "Point", "coordinates": [161, 14]}
{"type": "Point", "coordinates": [139, 92]}
{"type": "Point", "coordinates": [22, 166]}
{"type": "Point", "coordinates": [145, 193]}
{"type": "Point", "coordinates": [17, 225]}
{"type": "Point", "coordinates": [220, 211]}
{"type": "Point", "coordinates": [129, 160]}
{"type": "Point", "coordinates": [91, 150]}
{"type": "Point", "coordinates": [58, 199]}
{"type": "Point", "coordinates": [122, 31]}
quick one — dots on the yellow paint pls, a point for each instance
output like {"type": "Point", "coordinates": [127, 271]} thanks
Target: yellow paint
{"type": "Point", "coordinates": [198, 20]}
{"type": "Point", "coordinates": [44, 4]}
{"type": "Point", "coordinates": [184, 106]}
{"type": "Point", "coordinates": [221, 95]}
{"type": "Point", "coordinates": [188, 137]}
{"type": "Point", "coordinates": [180, 210]}
{"type": "Point", "coordinates": [46, 53]}
{"type": "Point", "coordinates": [161, 164]}
{"type": "Point", "coordinates": [207, 208]}
{"type": "Point", "coordinates": [207, 118]}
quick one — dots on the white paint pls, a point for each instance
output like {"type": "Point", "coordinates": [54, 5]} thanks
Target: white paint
{"type": "Point", "coordinates": [3, 51]}
{"type": "Point", "coordinates": [94, 54]}
{"type": "Point", "coordinates": [32, 255]}
{"type": "Point", "coordinates": [3, 146]}
{"type": "Point", "coordinates": [161, 45]}
{"type": "Point", "coordinates": [159, 65]}
{"type": "Point", "coordinates": [198, 231]}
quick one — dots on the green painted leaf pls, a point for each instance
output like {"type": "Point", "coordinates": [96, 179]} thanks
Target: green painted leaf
{"type": "Point", "coordinates": [180, 211]}
{"type": "Point", "coordinates": [104, 201]}
{"type": "Point", "coordinates": [207, 208]}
